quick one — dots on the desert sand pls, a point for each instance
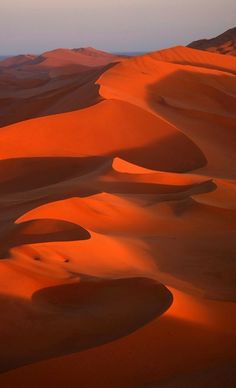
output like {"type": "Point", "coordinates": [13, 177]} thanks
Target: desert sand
{"type": "Point", "coordinates": [56, 81]}
{"type": "Point", "coordinates": [118, 220]}
{"type": "Point", "coordinates": [223, 44]}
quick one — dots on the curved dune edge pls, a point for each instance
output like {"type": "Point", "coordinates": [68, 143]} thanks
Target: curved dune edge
{"type": "Point", "coordinates": [57, 81]}
{"type": "Point", "coordinates": [72, 317]}
{"type": "Point", "coordinates": [192, 336]}
{"type": "Point", "coordinates": [192, 90]}
{"type": "Point", "coordinates": [141, 185]}
{"type": "Point", "coordinates": [166, 149]}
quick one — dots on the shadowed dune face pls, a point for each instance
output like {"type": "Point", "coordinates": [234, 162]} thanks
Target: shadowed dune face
{"type": "Point", "coordinates": [56, 82]}
{"type": "Point", "coordinates": [214, 376]}
{"type": "Point", "coordinates": [40, 231]}
{"type": "Point", "coordinates": [180, 346]}
{"type": "Point", "coordinates": [104, 207]}
{"type": "Point", "coordinates": [223, 44]}
{"type": "Point", "coordinates": [73, 317]}
{"type": "Point", "coordinates": [197, 98]}
{"type": "Point", "coordinates": [206, 115]}
{"type": "Point", "coordinates": [166, 147]}
{"type": "Point", "coordinates": [25, 174]}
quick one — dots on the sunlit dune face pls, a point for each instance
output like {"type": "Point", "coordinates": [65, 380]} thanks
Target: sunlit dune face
{"type": "Point", "coordinates": [118, 215]}
{"type": "Point", "coordinates": [121, 165]}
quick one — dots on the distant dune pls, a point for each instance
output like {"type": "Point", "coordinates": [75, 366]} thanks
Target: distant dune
{"type": "Point", "coordinates": [118, 217]}
{"type": "Point", "coordinates": [53, 82]}
{"type": "Point", "coordinates": [87, 56]}
{"type": "Point", "coordinates": [223, 44]}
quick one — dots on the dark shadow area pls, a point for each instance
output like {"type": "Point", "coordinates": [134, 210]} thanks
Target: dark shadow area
{"type": "Point", "coordinates": [60, 94]}
{"type": "Point", "coordinates": [184, 93]}
{"type": "Point", "coordinates": [25, 174]}
{"type": "Point", "coordinates": [42, 230]}
{"type": "Point", "coordinates": [174, 153]}
{"type": "Point", "coordinates": [27, 183]}
{"type": "Point", "coordinates": [70, 318]}
{"type": "Point", "coordinates": [167, 347]}
{"type": "Point", "coordinates": [221, 375]}
{"type": "Point", "coordinates": [162, 191]}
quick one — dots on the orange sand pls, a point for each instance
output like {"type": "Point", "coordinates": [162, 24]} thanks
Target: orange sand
{"type": "Point", "coordinates": [118, 224]}
{"type": "Point", "coordinates": [57, 81]}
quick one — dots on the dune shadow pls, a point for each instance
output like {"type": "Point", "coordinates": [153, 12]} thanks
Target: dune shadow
{"type": "Point", "coordinates": [186, 93]}
{"type": "Point", "coordinates": [27, 183]}
{"type": "Point", "coordinates": [73, 317]}
{"type": "Point", "coordinates": [218, 376]}
{"type": "Point", "coordinates": [173, 153]}
{"type": "Point", "coordinates": [41, 231]}
{"type": "Point", "coordinates": [161, 191]}
{"type": "Point", "coordinates": [59, 94]}
{"type": "Point", "coordinates": [25, 174]}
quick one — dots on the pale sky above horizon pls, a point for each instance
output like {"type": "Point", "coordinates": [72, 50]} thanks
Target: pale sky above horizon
{"type": "Point", "coordinates": [34, 26]}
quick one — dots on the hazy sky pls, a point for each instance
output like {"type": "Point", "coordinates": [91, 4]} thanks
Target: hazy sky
{"type": "Point", "coordinates": [33, 26]}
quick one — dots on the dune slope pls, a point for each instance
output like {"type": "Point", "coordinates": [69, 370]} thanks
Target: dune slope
{"type": "Point", "coordinates": [56, 81]}
{"type": "Point", "coordinates": [118, 227]}
{"type": "Point", "coordinates": [223, 44]}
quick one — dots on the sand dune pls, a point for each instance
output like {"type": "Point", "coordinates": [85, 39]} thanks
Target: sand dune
{"type": "Point", "coordinates": [190, 340]}
{"type": "Point", "coordinates": [77, 316]}
{"type": "Point", "coordinates": [56, 81]}
{"type": "Point", "coordinates": [87, 56]}
{"type": "Point", "coordinates": [223, 44]}
{"type": "Point", "coordinates": [196, 100]}
{"type": "Point", "coordinates": [118, 219]}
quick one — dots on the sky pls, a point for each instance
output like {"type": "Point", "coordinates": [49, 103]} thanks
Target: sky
{"type": "Point", "coordinates": [34, 26]}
